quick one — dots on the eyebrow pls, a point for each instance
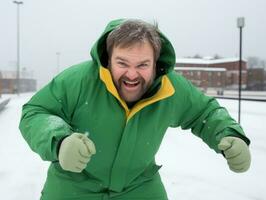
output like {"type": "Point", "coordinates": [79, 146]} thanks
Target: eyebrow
{"type": "Point", "coordinates": [125, 60]}
{"type": "Point", "coordinates": [120, 58]}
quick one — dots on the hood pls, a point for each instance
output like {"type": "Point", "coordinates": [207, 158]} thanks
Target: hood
{"type": "Point", "coordinates": [165, 62]}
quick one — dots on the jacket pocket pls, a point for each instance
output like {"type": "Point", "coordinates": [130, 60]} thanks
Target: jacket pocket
{"type": "Point", "coordinates": [151, 171]}
{"type": "Point", "coordinates": [146, 175]}
{"type": "Point", "coordinates": [67, 175]}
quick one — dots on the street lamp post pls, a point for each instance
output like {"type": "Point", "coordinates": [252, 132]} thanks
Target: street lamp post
{"type": "Point", "coordinates": [240, 25]}
{"type": "Point", "coordinates": [18, 47]}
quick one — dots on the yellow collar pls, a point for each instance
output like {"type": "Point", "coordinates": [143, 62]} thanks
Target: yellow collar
{"type": "Point", "coordinates": [166, 90]}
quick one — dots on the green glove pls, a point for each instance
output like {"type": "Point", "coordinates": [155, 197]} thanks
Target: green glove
{"type": "Point", "coordinates": [236, 152]}
{"type": "Point", "coordinates": [75, 152]}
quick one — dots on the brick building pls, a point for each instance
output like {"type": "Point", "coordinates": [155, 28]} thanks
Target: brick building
{"type": "Point", "coordinates": [230, 75]}
{"type": "Point", "coordinates": [204, 77]}
{"type": "Point", "coordinates": [256, 79]}
{"type": "Point", "coordinates": [8, 82]}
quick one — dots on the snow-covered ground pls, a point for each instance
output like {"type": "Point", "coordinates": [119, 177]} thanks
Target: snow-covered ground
{"type": "Point", "coordinates": [191, 171]}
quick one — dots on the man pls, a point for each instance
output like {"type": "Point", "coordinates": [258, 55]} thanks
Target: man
{"type": "Point", "coordinates": [101, 122]}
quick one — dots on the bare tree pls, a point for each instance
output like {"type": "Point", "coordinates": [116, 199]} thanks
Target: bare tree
{"type": "Point", "coordinates": [197, 56]}
{"type": "Point", "coordinates": [217, 56]}
{"type": "Point", "coordinates": [253, 62]}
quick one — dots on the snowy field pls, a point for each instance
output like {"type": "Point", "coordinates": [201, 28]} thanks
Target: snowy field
{"type": "Point", "coordinates": [191, 171]}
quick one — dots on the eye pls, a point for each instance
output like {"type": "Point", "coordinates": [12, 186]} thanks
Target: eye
{"type": "Point", "coordinates": [122, 64]}
{"type": "Point", "coordinates": [143, 65]}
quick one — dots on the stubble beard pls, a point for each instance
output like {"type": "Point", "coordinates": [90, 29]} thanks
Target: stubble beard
{"type": "Point", "coordinates": [136, 95]}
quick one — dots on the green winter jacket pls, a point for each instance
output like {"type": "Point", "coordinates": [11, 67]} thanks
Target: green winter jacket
{"type": "Point", "coordinates": [83, 99]}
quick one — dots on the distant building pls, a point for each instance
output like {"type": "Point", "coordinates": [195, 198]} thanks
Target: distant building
{"type": "Point", "coordinates": [8, 82]}
{"type": "Point", "coordinates": [256, 79]}
{"type": "Point", "coordinates": [205, 77]}
{"type": "Point", "coordinates": [228, 70]}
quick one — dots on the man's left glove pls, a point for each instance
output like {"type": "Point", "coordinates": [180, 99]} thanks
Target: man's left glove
{"type": "Point", "coordinates": [236, 152]}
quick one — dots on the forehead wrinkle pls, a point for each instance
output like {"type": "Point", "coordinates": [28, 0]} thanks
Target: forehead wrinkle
{"type": "Point", "coordinates": [127, 61]}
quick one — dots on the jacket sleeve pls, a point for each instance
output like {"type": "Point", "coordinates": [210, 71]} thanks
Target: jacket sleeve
{"type": "Point", "coordinates": [205, 117]}
{"type": "Point", "coordinates": [46, 117]}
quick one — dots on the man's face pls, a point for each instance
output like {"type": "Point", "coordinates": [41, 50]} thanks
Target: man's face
{"type": "Point", "coordinates": [133, 70]}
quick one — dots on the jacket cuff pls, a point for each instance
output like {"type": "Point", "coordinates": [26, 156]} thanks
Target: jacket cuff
{"type": "Point", "coordinates": [232, 132]}
{"type": "Point", "coordinates": [56, 146]}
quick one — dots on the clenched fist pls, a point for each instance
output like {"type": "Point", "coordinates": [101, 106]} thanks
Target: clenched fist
{"type": "Point", "coordinates": [75, 152]}
{"type": "Point", "coordinates": [236, 152]}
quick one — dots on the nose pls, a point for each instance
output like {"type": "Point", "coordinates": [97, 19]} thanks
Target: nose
{"type": "Point", "coordinates": [132, 73]}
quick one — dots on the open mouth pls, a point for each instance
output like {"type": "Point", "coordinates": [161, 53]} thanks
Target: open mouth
{"type": "Point", "coordinates": [131, 84]}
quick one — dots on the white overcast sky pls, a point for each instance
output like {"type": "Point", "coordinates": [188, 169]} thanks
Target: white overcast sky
{"type": "Point", "coordinates": [204, 27]}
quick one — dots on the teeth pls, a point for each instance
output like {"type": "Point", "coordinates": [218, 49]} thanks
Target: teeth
{"type": "Point", "coordinates": [132, 82]}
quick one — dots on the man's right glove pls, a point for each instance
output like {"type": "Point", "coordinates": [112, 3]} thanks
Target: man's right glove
{"type": "Point", "coordinates": [236, 152]}
{"type": "Point", "coordinates": [75, 152]}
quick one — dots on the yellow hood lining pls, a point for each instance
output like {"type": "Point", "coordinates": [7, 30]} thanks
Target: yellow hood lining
{"type": "Point", "coordinates": [166, 90]}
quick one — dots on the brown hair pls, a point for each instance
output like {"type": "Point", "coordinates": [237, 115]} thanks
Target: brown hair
{"type": "Point", "coordinates": [131, 32]}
